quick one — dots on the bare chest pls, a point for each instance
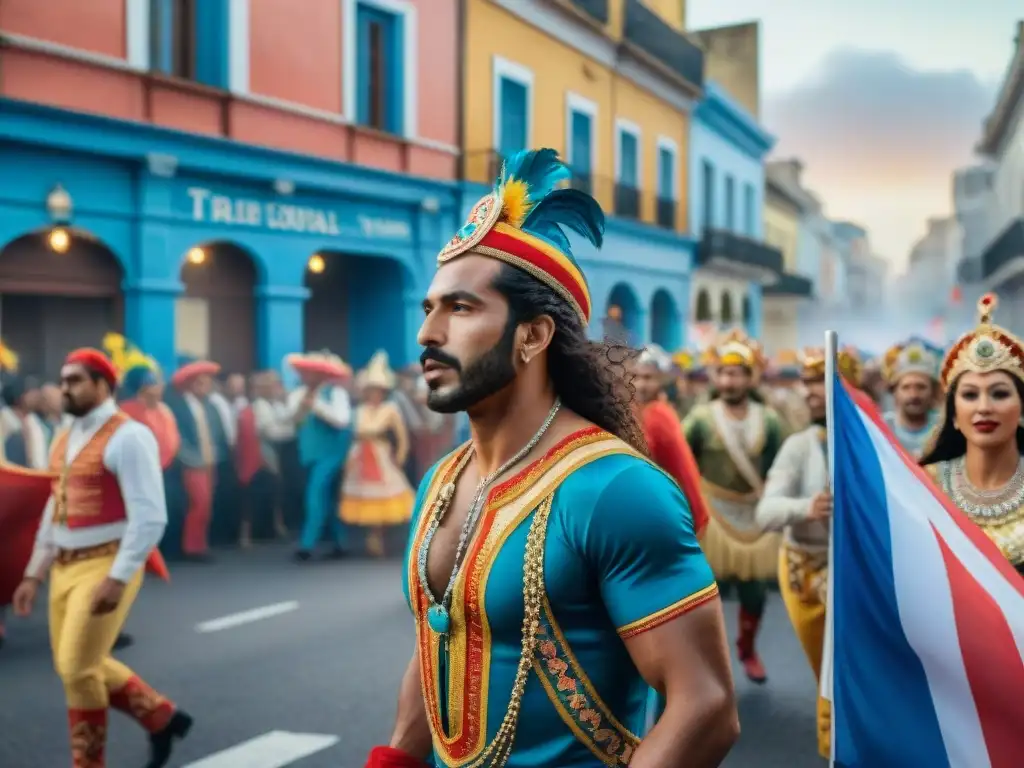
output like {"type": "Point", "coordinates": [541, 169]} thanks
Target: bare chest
{"type": "Point", "coordinates": [445, 550]}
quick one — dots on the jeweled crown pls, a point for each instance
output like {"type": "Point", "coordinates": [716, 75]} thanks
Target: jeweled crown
{"type": "Point", "coordinates": [984, 349]}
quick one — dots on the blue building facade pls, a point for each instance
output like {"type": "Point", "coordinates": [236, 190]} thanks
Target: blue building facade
{"type": "Point", "coordinates": [639, 279]}
{"type": "Point", "coordinates": [165, 205]}
{"type": "Point", "coordinates": [726, 196]}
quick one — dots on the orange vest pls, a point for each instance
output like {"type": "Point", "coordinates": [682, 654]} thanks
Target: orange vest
{"type": "Point", "coordinates": [85, 492]}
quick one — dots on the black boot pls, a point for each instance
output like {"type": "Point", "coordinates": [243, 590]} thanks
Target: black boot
{"type": "Point", "coordinates": [162, 742]}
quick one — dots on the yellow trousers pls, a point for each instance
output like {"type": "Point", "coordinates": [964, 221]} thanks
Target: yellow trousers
{"type": "Point", "coordinates": [807, 614]}
{"type": "Point", "coordinates": [81, 644]}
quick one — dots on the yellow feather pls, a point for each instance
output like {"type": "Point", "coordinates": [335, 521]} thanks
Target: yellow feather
{"type": "Point", "coordinates": [515, 202]}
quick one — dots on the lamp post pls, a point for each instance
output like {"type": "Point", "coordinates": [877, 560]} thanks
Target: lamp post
{"type": "Point", "coordinates": [60, 207]}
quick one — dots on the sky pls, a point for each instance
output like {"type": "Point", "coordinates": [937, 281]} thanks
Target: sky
{"type": "Point", "coordinates": [881, 99]}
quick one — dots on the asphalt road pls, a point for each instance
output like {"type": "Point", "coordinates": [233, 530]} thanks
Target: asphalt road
{"type": "Point", "coordinates": [286, 664]}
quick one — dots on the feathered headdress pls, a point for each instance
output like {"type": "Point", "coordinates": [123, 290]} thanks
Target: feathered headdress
{"type": "Point", "coordinates": [523, 222]}
{"type": "Point", "coordinates": [8, 359]}
{"type": "Point", "coordinates": [125, 356]}
{"type": "Point", "coordinates": [986, 348]}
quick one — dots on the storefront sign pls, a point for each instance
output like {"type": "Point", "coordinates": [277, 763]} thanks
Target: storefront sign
{"type": "Point", "coordinates": [287, 217]}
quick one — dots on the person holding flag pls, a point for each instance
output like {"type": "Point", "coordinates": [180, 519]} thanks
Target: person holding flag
{"type": "Point", "coordinates": [798, 503]}
{"type": "Point", "coordinates": [923, 663]}
{"type": "Point", "coordinates": [977, 455]}
{"type": "Point", "coordinates": [911, 371]}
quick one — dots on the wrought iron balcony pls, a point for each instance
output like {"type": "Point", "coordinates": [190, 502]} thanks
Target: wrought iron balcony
{"type": "Point", "coordinates": [627, 201]}
{"type": "Point", "coordinates": [1004, 250]}
{"type": "Point", "coordinates": [790, 286]}
{"type": "Point", "coordinates": [648, 32]}
{"type": "Point", "coordinates": [739, 257]}
{"type": "Point", "coordinates": [666, 214]}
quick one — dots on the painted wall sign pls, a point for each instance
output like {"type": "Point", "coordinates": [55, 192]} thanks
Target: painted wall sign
{"type": "Point", "coordinates": [207, 206]}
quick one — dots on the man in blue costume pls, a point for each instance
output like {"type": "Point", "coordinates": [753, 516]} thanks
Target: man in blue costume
{"type": "Point", "coordinates": [323, 414]}
{"type": "Point", "coordinates": [553, 571]}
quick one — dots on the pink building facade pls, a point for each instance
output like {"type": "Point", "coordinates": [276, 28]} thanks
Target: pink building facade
{"type": "Point", "coordinates": [235, 179]}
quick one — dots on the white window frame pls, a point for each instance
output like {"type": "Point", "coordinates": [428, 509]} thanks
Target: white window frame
{"type": "Point", "coordinates": [576, 104]}
{"type": "Point", "coordinates": [410, 60]}
{"type": "Point", "coordinates": [238, 46]}
{"type": "Point", "coordinates": [672, 147]}
{"type": "Point", "coordinates": [622, 125]}
{"type": "Point", "coordinates": [137, 33]}
{"type": "Point", "coordinates": [504, 69]}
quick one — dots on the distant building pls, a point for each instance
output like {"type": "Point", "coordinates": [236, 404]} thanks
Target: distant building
{"type": "Point", "coordinates": [1000, 265]}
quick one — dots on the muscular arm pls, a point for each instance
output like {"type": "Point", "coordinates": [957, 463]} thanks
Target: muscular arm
{"type": "Point", "coordinates": [412, 732]}
{"type": "Point", "coordinates": [687, 661]}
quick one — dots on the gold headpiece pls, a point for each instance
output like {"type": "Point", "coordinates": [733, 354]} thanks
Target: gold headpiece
{"type": "Point", "coordinates": [812, 363]}
{"type": "Point", "coordinates": [914, 355]}
{"type": "Point", "coordinates": [736, 348]}
{"type": "Point", "coordinates": [377, 372]}
{"type": "Point", "coordinates": [987, 348]}
{"type": "Point", "coordinates": [684, 360]}
{"type": "Point", "coordinates": [8, 359]}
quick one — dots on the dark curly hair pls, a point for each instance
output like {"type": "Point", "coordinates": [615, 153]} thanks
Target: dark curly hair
{"type": "Point", "coordinates": [591, 378]}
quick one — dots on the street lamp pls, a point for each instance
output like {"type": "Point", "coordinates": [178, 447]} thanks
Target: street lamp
{"type": "Point", "coordinates": [317, 264]}
{"type": "Point", "coordinates": [59, 205]}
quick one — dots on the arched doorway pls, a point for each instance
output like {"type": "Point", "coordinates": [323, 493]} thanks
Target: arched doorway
{"type": "Point", "coordinates": [355, 306]}
{"type": "Point", "coordinates": [215, 319]}
{"type": "Point", "coordinates": [666, 325]}
{"type": "Point", "coordinates": [622, 318]}
{"type": "Point", "coordinates": [57, 292]}
{"type": "Point", "coordinates": [703, 312]}
{"type": "Point", "coordinates": [726, 315]}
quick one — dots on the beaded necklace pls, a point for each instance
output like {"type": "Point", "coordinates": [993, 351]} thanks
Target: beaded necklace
{"type": "Point", "coordinates": [438, 611]}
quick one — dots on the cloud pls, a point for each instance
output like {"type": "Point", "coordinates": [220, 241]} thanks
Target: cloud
{"type": "Point", "coordinates": [880, 139]}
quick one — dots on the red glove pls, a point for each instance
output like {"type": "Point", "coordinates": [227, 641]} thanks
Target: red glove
{"type": "Point", "coordinates": [389, 757]}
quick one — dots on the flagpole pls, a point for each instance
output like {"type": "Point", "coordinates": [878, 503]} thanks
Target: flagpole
{"type": "Point", "coordinates": [826, 671]}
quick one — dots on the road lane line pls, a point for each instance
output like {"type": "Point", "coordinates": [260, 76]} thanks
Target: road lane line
{"type": "Point", "coordinates": [275, 749]}
{"type": "Point", "coordinates": [247, 617]}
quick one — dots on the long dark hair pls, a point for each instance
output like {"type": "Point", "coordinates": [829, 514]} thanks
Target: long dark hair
{"type": "Point", "coordinates": [591, 378]}
{"type": "Point", "coordinates": [950, 443]}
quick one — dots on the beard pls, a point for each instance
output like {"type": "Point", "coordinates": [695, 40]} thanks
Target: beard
{"type": "Point", "coordinates": [76, 408]}
{"type": "Point", "coordinates": [488, 374]}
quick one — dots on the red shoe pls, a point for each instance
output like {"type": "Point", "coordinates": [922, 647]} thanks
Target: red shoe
{"type": "Point", "coordinates": [752, 665]}
{"type": "Point", "coordinates": [389, 757]}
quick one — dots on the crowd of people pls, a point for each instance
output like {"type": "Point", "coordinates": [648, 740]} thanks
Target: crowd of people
{"type": "Point", "coordinates": [601, 501]}
{"type": "Point", "coordinates": [333, 462]}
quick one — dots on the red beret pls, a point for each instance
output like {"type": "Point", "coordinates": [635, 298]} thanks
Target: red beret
{"type": "Point", "coordinates": [95, 361]}
{"type": "Point", "coordinates": [186, 373]}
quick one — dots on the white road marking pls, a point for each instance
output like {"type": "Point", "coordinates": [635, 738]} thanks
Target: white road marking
{"type": "Point", "coordinates": [247, 617]}
{"type": "Point", "coordinates": [275, 749]}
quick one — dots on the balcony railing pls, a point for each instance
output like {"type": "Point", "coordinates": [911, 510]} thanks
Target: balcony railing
{"type": "Point", "coordinates": [666, 214]}
{"type": "Point", "coordinates": [1009, 245]}
{"type": "Point", "coordinates": [647, 31]}
{"type": "Point", "coordinates": [595, 9]}
{"type": "Point", "coordinates": [790, 286]}
{"type": "Point", "coordinates": [627, 201]}
{"type": "Point", "coordinates": [740, 257]}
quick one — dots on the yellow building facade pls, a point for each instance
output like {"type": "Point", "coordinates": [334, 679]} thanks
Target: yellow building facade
{"type": "Point", "coordinates": [782, 227]}
{"type": "Point", "coordinates": [605, 83]}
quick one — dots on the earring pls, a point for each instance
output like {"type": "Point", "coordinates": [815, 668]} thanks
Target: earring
{"type": "Point", "coordinates": [526, 357]}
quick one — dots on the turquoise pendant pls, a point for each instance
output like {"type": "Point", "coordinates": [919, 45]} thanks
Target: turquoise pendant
{"type": "Point", "coordinates": [437, 618]}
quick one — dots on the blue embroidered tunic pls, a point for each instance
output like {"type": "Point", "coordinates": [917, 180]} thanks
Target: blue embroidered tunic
{"type": "Point", "coordinates": [620, 557]}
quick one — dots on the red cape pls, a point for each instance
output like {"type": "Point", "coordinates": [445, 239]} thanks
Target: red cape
{"type": "Point", "coordinates": [23, 496]}
{"type": "Point", "coordinates": [672, 453]}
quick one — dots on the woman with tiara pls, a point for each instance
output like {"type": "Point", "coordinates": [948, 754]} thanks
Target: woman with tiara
{"type": "Point", "coordinates": [977, 454]}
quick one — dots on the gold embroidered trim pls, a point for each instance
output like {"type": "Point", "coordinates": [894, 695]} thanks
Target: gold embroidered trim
{"type": "Point", "coordinates": [677, 608]}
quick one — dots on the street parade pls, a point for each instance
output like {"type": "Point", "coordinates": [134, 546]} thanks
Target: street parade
{"type": "Point", "coordinates": [347, 422]}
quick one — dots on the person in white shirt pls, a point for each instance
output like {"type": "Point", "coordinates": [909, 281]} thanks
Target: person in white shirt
{"type": "Point", "coordinates": [23, 438]}
{"type": "Point", "coordinates": [101, 525]}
